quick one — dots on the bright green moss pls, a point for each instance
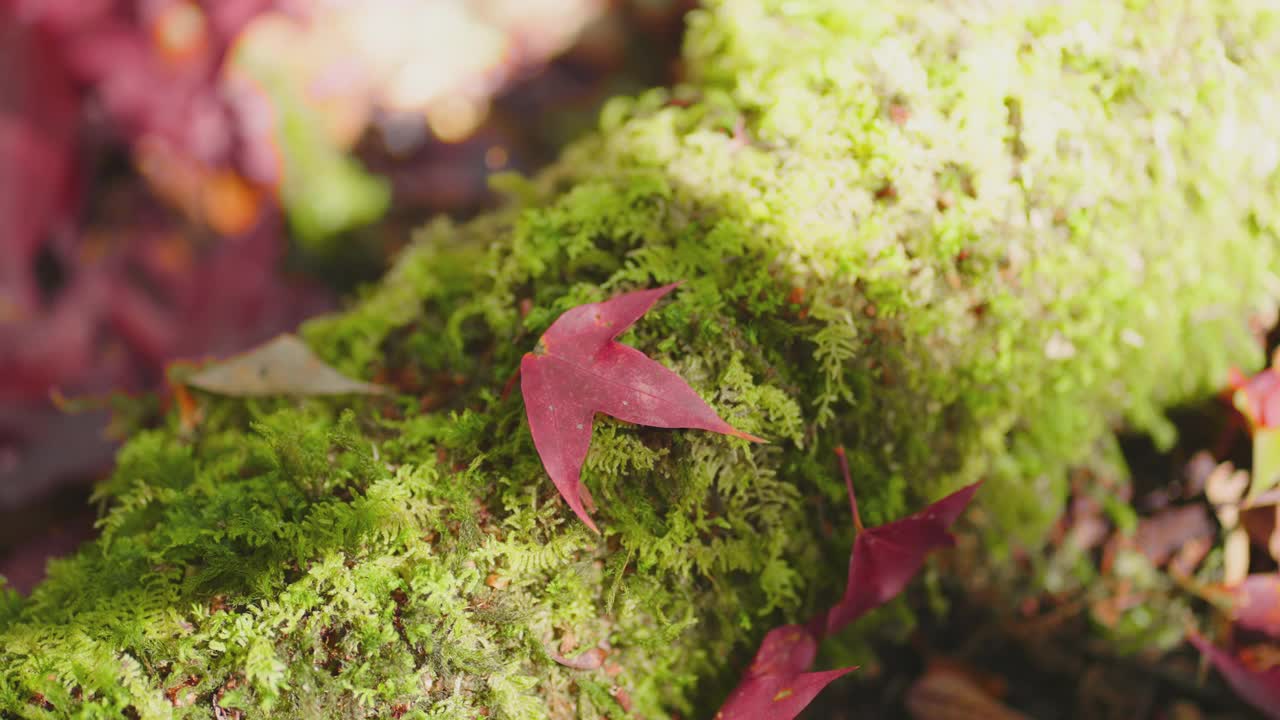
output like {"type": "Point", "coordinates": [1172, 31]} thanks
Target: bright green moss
{"type": "Point", "coordinates": [963, 240]}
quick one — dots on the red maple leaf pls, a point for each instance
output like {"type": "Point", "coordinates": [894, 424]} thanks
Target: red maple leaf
{"type": "Point", "coordinates": [885, 558]}
{"type": "Point", "coordinates": [776, 686]}
{"type": "Point", "coordinates": [580, 369]}
{"type": "Point", "coordinates": [882, 562]}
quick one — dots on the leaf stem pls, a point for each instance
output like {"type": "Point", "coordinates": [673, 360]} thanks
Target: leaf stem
{"type": "Point", "coordinates": [511, 382]}
{"type": "Point", "coordinates": [848, 483]}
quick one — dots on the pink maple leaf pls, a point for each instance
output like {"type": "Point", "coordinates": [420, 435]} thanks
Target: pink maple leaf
{"type": "Point", "coordinates": [580, 369]}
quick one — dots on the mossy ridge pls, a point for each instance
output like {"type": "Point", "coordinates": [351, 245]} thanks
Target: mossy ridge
{"type": "Point", "coordinates": [976, 291]}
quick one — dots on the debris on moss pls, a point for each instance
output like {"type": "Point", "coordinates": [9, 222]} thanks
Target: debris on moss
{"type": "Point", "coordinates": [962, 241]}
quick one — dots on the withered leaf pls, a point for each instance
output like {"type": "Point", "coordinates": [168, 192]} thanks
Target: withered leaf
{"type": "Point", "coordinates": [282, 366]}
{"type": "Point", "coordinates": [943, 693]}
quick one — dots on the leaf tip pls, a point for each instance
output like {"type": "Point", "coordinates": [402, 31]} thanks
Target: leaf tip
{"type": "Point", "coordinates": [586, 520]}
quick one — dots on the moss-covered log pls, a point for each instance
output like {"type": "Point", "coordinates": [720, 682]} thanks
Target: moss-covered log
{"type": "Point", "coordinates": [964, 239]}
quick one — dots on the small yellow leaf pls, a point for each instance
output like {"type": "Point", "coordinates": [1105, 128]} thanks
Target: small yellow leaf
{"type": "Point", "coordinates": [1266, 462]}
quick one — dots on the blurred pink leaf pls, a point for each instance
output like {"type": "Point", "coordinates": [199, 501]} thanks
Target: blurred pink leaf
{"type": "Point", "coordinates": [1257, 603]}
{"type": "Point", "coordinates": [1258, 687]}
{"type": "Point", "coordinates": [39, 114]}
{"type": "Point", "coordinates": [61, 14]}
{"type": "Point", "coordinates": [1163, 533]}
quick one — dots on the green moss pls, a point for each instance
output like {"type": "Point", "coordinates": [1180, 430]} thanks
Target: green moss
{"type": "Point", "coordinates": [965, 241]}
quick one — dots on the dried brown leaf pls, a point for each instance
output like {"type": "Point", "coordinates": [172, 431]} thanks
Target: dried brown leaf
{"type": "Point", "coordinates": [943, 693]}
{"type": "Point", "coordinates": [282, 366]}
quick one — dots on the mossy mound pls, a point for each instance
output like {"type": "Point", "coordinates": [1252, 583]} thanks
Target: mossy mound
{"type": "Point", "coordinates": [962, 239]}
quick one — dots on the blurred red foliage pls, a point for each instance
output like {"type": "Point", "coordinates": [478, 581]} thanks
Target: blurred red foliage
{"type": "Point", "coordinates": [100, 284]}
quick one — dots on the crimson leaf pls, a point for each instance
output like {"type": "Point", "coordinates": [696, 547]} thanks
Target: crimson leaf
{"type": "Point", "coordinates": [580, 369]}
{"type": "Point", "coordinates": [885, 558]}
{"type": "Point", "coordinates": [882, 562]}
{"type": "Point", "coordinates": [776, 686]}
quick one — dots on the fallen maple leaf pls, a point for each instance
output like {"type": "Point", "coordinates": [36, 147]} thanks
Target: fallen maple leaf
{"type": "Point", "coordinates": [1259, 687]}
{"type": "Point", "coordinates": [945, 692]}
{"type": "Point", "coordinates": [282, 366]}
{"type": "Point", "coordinates": [885, 558]}
{"type": "Point", "coordinates": [776, 686]}
{"type": "Point", "coordinates": [580, 369]}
